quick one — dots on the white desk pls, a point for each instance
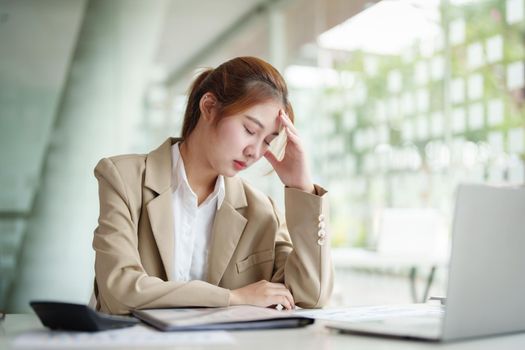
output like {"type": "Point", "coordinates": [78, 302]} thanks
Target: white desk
{"type": "Point", "coordinates": [313, 337]}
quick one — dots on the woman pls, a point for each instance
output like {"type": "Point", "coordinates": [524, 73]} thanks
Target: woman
{"type": "Point", "coordinates": [177, 227]}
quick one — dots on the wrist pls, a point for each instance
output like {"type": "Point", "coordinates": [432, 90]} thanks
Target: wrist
{"type": "Point", "coordinates": [234, 297]}
{"type": "Point", "coordinates": [306, 188]}
{"type": "Point", "coordinates": [311, 189]}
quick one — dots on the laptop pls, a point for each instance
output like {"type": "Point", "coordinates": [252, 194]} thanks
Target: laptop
{"type": "Point", "coordinates": [486, 279]}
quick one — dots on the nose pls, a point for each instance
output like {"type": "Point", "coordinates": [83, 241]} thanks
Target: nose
{"type": "Point", "coordinates": [253, 151]}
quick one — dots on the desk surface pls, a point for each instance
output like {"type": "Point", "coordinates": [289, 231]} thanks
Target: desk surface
{"type": "Point", "coordinates": [311, 337]}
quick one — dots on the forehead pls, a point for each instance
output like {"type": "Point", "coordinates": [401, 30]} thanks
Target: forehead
{"type": "Point", "coordinates": [268, 109]}
{"type": "Point", "coordinates": [266, 113]}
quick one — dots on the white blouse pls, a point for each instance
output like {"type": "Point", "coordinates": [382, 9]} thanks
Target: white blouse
{"type": "Point", "coordinates": [192, 223]}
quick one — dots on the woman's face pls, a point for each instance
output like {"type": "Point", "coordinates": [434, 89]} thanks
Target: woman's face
{"type": "Point", "coordinates": [240, 140]}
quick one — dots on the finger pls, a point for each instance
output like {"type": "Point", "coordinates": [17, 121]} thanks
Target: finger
{"type": "Point", "coordinates": [289, 302]}
{"type": "Point", "coordinates": [271, 159]}
{"type": "Point", "coordinates": [292, 137]}
{"type": "Point", "coordinates": [280, 289]}
{"type": "Point", "coordinates": [284, 302]}
{"type": "Point", "coordinates": [290, 298]}
{"type": "Point", "coordinates": [287, 122]}
{"type": "Point", "coordinates": [285, 293]}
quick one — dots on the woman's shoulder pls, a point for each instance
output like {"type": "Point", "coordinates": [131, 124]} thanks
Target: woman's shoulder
{"type": "Point", "coordinates": [158, 158]}
{"type": "Point", "coordinates": [124, 162]}
{"type": "Point", "coordinates": [128, 168]}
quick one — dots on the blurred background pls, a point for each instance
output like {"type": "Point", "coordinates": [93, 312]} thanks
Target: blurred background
{"type": "Point", "coordinates": [397, 101]}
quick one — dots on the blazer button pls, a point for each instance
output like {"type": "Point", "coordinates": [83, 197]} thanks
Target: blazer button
{"type": "Point", "coordinates": [321, 233]}
{"type": "Point", "coordinates": [320, 241]}
{"type": "Point", "coordinates": [321, 217]}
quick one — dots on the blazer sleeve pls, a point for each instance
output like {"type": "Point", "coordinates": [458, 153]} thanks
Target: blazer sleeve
{"type": "Point", "coordinates": [121, 281]}
{"type": "Point", "coordinates": [302, 248]}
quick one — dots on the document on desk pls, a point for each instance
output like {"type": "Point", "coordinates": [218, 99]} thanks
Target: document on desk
{"type": "Point", "coordinates": [225, 318]}
{"type": "Point", "coordinates": [369, 313]}
{"type": "Point", "coordinates": [135, 336]}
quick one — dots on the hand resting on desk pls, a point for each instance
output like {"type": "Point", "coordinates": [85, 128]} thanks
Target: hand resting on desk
{"type": "Point", "coordinates": [263, 293]}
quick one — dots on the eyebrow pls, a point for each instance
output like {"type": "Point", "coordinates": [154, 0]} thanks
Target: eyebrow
{"type": "Point", "coordinates": [256, 121]}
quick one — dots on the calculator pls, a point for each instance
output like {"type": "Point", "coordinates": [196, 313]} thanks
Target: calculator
{"type": "Point", "coordinates": [77, 317]}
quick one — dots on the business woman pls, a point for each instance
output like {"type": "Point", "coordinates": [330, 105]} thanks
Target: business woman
{"type": "Point", "coordinates": [178, 227]}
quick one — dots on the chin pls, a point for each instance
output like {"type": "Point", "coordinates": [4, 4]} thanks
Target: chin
{"type": "Point", "coordinates": [230, 173]}
{"type": "Point", "coordinates": [227, 172]}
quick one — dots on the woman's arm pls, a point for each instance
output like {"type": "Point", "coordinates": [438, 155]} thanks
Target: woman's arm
{"type": "Point", "coordinates": [302, 248]}
{"type": "Point", "coordinates": [306, 266]}
{"type": "Point", "coordinates": [122, 282]}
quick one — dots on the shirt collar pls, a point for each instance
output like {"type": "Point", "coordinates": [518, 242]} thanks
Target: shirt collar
{"type": "Point", "coordinates": [179, 178]}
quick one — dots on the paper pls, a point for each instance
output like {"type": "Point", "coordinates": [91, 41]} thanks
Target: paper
{"type": "Point", "coordinates": [139, 335]}
{"type": "Point", "coordinates": [365, 313]}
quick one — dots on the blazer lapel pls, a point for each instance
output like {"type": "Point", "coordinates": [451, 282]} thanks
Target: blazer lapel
{"type": "Point", "coordinates": [227, 229]}
{"type": "Point", "coordinates": [161, 219]}
{"type": "Point", "coordinates": [160, 208]}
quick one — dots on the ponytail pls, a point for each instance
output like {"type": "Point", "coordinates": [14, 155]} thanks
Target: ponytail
{"type": "Point", "coordinates": [192, 114]}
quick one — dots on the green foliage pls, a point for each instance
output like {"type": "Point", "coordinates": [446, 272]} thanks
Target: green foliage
{"type": "Point", "coordinates": [484, 21]}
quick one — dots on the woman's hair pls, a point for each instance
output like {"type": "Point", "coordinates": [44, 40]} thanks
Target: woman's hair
{"type": "Point", "coordinates": [238, 84]}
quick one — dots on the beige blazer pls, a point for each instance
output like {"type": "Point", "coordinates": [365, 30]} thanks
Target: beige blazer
{"type": "Point", "coordinates": [134, 240]}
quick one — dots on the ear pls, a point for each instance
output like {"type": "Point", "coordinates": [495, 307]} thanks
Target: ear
{"type": "Point", "coordinates": [208, 106]}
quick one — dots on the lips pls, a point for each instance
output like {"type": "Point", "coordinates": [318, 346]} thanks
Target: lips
{"type": "Point", "coordinates": [239, 165]}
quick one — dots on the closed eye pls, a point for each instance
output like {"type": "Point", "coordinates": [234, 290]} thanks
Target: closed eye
{"type": "Point", "coordinates": [249, 131]}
